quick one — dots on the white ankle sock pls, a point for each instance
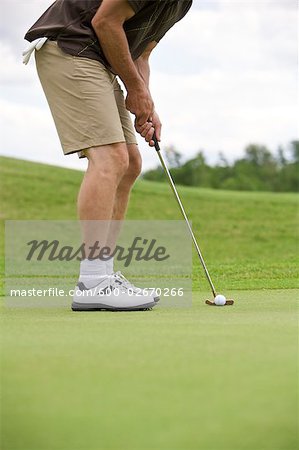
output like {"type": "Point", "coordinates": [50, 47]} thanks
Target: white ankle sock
{"type": "Point", "coordinates": [92, 271]}
{"type": "Point", "coordinates": [110, 266]}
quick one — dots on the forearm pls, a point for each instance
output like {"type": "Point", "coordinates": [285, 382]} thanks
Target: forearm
{"type": "Point", "coordinates": [119, 56]}
{"type": "Point", "coordinates": [143, 68]}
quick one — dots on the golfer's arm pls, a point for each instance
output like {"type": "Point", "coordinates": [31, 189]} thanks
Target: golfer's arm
{"type": "Point", "coordinates": [108, 26]}
{"type": "Point", "coordinates": [142, 63]}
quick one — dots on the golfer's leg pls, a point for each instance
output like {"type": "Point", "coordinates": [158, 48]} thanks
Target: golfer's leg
{"type": "Point", "coordinates": [125, 186]}
{"type": "Point", "coordinates": [121, 200]}
{"type": "Point", "coordinates": [126, 183]}
{"type": "Point", "coordinates": [107, 165]}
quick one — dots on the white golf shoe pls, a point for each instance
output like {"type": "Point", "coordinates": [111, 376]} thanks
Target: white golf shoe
{"type": "Point", "coordinates": [130, 286]}
{"type": "Point", "coordinates": [113, 293]}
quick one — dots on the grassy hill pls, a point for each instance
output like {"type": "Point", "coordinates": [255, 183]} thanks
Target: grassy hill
{"type": "Point", "coordinates": [249, 239]}
{"type": "Point", "coordinates": [197, 378]}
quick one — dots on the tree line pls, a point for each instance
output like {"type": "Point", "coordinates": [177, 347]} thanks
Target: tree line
{"type": "Point", "coordinates": [257, 170]}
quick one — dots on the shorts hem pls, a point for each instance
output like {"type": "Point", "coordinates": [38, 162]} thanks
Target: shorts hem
{"type": "Point", "coordinates": [69, 149]}
{"type": "Point", "coordinates": [80, 151]}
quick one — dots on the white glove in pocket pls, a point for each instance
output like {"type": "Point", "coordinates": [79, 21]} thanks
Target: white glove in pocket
{"type": "Point", "coordinates": [34, 45]}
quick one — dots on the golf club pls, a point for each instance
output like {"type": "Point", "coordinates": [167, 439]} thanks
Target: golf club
{"type": "Point", "coordinates": [174, 190]}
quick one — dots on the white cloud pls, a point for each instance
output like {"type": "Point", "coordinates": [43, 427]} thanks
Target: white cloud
{"type": "Point", "coordinates": [28, 132]}
{"type": "Point", "coordinates": [233, 78]}
{"type": "Point", "coordinates": [17, 16]}
{"type": "Point", "coordinates": [12, 70]}
{"type": "Point", "coordinates": [222, 77]}
{"type": "Point", "coordinates": [217, 112]}
{"type": "Point", "coordinates": [241, 35]}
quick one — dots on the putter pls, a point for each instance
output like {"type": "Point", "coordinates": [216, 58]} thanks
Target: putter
{"type": "Point", "coordinates": [174, 190]}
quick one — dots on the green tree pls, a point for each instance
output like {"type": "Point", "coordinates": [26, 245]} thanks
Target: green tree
{"type": "Point", "coordinates": [295, 151]}
{"type": "Point", "coordinates": [257, 170]}
{"type": "Point", "coordinates": [173, 156]}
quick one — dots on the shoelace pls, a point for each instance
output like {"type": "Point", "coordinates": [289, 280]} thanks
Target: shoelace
{"type": "Point", "coordinates": [116, 282]}
{"type": "Point", "coordinates": [124, 281]}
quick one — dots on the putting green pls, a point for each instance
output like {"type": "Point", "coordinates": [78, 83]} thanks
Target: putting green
{"type": "Point", "coordinates": [201, 378]}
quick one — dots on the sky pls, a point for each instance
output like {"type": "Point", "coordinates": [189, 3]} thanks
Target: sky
{"type": "Point", "coordinates": [223, 77]}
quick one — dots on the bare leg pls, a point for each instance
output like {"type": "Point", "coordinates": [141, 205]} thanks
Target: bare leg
{"type": "Point", "coordinates": [123, 194]}
{"type": "Point", "coordinates": [107, 166]}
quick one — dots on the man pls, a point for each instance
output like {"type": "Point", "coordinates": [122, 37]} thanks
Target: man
{"type": "Point", "coordinates": [89, 44]}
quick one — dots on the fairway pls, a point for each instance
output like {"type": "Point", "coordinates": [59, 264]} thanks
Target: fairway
{"type": "Point", "coordinates": [248, 239]}
{"type": "Point", "coordinates": [199, 378]}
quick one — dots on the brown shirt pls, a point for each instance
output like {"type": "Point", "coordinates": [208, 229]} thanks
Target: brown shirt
{"type": "Point", "coordinates": [69, 23]}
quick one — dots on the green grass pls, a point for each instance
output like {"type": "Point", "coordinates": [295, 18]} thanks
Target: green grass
{"type": "Point", "coordinates": [197, 378]}
{"type": "Point", "coordinates": [249, 240]}
{"type": "Point", "coordinates": [200, 378]}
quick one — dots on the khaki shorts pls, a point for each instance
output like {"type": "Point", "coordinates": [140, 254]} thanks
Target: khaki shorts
{"type": "Point", "coordinates": [85, 99]}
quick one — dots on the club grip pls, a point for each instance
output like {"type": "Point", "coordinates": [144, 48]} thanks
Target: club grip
{"type": "Point", "coordinates": [157, 146]}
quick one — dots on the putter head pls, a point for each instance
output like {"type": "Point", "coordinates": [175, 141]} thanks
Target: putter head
{"type": "Point", "coordinates": [228, 303]}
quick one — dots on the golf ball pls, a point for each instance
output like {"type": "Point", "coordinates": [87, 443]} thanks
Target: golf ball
{"type": "Point", "coordinates": [220, 300]}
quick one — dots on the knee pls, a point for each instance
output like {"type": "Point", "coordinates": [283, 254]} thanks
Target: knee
{"type": "Point", "coordinates": [135, 164]}
{"type": "Point", "coordinates": [109, 160]}
{"type": "Point", "coordinates": [121, 162]}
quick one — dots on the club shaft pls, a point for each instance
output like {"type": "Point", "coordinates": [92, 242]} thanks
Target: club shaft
{"type": "Point", "coordinates": [172, 185]}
